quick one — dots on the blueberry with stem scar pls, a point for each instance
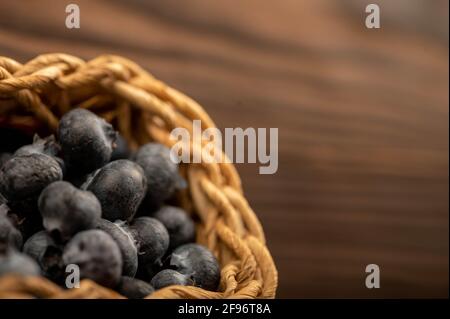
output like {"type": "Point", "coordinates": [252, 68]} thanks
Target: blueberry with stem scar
{"type": "Point", "coordinates": [121, 235]}
{"type": "Point", "coordinates": [24, 177]}
{"type": "Point", "coordinates": [170, 277]}
{"type": "Point", "coordinates": [47, 253]}
{"type": "Point", "coordinates": [134, 288]}
{"type": "Point", "coordinates": [181, 228]}
{"type": "Point", "coordinates": [120, 187]}
{"type": "Point", "coordinates": [197, 262]}
{"type": "Point", "coordinates": [87, 141]}
{"type": "Point", "coordinates": [67, 210]}
{"type": "Point", "coordinates": [152, 241]}
{"type": "Point", "coordinates": [47, 146]}
{"type": "Point", "coordinates": [97, 255]}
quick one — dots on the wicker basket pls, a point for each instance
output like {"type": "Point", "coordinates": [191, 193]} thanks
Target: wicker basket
{"type": "Point", "coordinates": [34, 95]}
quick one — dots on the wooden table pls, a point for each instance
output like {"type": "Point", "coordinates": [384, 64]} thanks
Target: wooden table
{"type": "Point", "coordinates": [362, 114]}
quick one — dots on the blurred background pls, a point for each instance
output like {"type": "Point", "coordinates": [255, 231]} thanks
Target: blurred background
{"type": "Point", "coordinates": [363, 118]}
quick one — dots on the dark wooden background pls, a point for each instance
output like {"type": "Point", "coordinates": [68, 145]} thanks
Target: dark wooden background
{"type": "Point", "coordinates": [362, 117]}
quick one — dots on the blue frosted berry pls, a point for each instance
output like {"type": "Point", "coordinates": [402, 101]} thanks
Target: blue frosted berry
{"type": "Point", "coordinates": [169, 277]}
{"type": "Point", "coordinates": [47, 146]}
{"type": "Point", "coordinates": [97, 256]}
{"type": "Point", "coordinates": [162, 174]}
{"type": "Point", "coordinates": [13, 262]}
{"type": "Point", "coordinates": [197, 262]}
{"type": "Point", "coordinates": [87, 141]}
{"type": "Point", "coordinates": [180, 226]}
{"type": "Point", "coordinates": [47, 253]}
{"type": "Point", "coordinates": [24, 177]}
{"type": "Point", "coordinates": [134, 288]}
{"type": "Point", "coordinates": [67, 210]}
{"type": "Point", "coordinates": [120, 186]}
{"type": "Point", "coordinates": [152, 241]}
{"type": "Point", "coordinates": [121, 235]}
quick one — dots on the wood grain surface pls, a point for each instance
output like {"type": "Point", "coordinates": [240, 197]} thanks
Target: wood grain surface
{"type": "Point", "coordinates": [362, 114]}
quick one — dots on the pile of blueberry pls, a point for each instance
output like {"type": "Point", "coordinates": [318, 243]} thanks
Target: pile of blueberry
{"type": "Point", "coordinates": [84, 199]}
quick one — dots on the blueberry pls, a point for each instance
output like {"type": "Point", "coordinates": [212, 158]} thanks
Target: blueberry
{"type": "Point", "coordinates": [47, 146]}
{"type": "Point", "coordinates": [13, 262]}
{"type": "Point", "coordinates": [162, 173]}
{"type": "Point", "coordinates": [87, 141]}
{"type": "Point", "coordinates": [47, 253]}
{"type": "Point", "coordinates": [199, 263]}
{"type": "Point", "coordinates": [152, 240]}
{"type": "Point", "coordinates": [97, 255]}
{"type": "Point", "coordinates": [134, 288]}
{"type": "Point", "coordinates": [120, 187]}
{"type": "Point", "coordinates": [24, 177]}
{"type": "Point", "coordinates": [67, 210]}
{"type": "Point", "coordinates": [121, 151]}
{"type": "Point", "coordinates": [169, 277]}
{"type": "Point", "coordinates": [9, 235]}
{"type": "Point", "coordinates": [120, 233]}
{"type": "Point", "coordinates": [180, 226]}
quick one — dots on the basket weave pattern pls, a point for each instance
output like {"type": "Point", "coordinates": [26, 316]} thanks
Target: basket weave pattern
{"type": "Point", "coordinates": [36, 94]}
